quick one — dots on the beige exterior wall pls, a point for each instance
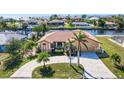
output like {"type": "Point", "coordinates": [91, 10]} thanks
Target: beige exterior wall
{"type": "Point", "coordinates": [44, 45]}
{"type": "Point", "coordinates": [92, 45]}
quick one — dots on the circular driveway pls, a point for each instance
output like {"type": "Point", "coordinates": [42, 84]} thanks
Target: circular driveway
{"type": "Point", "coordinates": [93, 66]}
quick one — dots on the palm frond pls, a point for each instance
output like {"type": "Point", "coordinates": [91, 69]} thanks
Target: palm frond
{"type": "Point", "coordinates": [75, 36]}
{"type": "Point", "coordinates": [85, 45]}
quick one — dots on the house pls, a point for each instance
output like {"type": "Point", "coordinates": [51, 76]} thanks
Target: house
{"type": "Point", "coordinates": [56, 39]}
{"type": "Point", "coordinates": [81, 24]}
{"type": "Point", "coordinates": [110, 25]}
{"type": "Point", "coordinates": [56, 23]}
{"type": "Point", "coordinates": [119, 39]}
{"type": "Point", "coordinates": [6, 36]}
{"type": "Point", "coordinates": [94, 18]}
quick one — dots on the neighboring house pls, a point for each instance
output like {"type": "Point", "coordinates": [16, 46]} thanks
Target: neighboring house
{"type": "Point", "coordinates": [81, 24]}
{"type": "Point", "coordinates": [6, 36]}
{"type": "Point", "coordinates": [119, 39]}
{"type": "Point", "coordinates": [56, 23]}
{"type": "Point", "coordinates": [110, 25]}
{"type": "Point", "coordinates": [56, 39]}
{"type": "Point", "coordinates": [93, 18]}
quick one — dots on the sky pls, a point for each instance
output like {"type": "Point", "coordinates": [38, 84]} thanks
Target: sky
{"type": "Point", "coordinates": [16, 16]}
{"type": "Point", "coordinates": [61, 6]}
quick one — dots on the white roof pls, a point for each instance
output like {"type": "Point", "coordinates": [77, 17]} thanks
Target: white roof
{"type": "Point", "coordinates": [5, 37]}
{"type": "Point", "coordinates": [94, 18]}
{"type": "Point", "coordinates": [80, 23]}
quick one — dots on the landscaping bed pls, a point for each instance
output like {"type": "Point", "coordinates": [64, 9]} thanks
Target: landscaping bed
{"type": "Point", "coordinates": [112, 48]}
{"type": "Point", "coordinates": [11, 67]}
{"type": "Point", "coordinates": [59, 70]}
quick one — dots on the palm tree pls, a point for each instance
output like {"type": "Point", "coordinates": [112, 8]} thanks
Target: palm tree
{"type": "Point", "coordinates": [101, 23]}
{"type": "Point", "coordinates": [24, 26]}
{"type": "Point", "coordinates": [43, 57]}
{"type": "Point", "coordinates": [81, 39]}
{"type": "Point", "coordinates": [40, 29]}
{"type": "Point", "coordinates": [44, 28]}
{"type": "Point", "coordinates": [69, 48]}
{"type": "Point", "coordinates": [28, 45]}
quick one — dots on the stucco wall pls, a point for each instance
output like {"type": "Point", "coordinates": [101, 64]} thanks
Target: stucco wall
{"type": "Point", "coordinates": [44, 47]}
{"type": "Point", "coordinates": [92, 45]}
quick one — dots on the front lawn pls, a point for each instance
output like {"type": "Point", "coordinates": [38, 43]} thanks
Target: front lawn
{"type": "Point", "coordinates": [60, 70]}
{"type": "Point", "coordinates": [112, 48]}
{"type": "Point", "coordinates": [68, 26]}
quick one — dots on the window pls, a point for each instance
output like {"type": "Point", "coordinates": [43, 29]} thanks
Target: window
{"type": "Point", "coordinates": [59, 44]}
{"type": "Point", "coordinates": [44, 44]}
{"type": "Point", "coordinates": [52, 45]}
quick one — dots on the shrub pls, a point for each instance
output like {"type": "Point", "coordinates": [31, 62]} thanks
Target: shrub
{"type": "Point", "coordinates": [116, 58]}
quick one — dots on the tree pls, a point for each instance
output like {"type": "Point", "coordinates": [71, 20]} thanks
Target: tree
{"type": "Point", "coordinates": [24, 25]}
{"type": "Point", "coordinates": [69, 48]}
{"type": "Point", "coordinates": [101, 23]}
{"type": "Point", "coordinates": [11, 20]}
{"type": "Point", "coordinates": [44, 28]}
{"type": "Point", "coordinates": [84, 16]}
{"type": "Point", "coordinates": [120, 24]}
{"type": "Point", "coordinates": [116, 58]}
{"type": "Point", "coordinates": [12, 26]}
{"type": "Point", "coordinates": [3, 25]}
{"type": "Point", "coordinates": [81, 39]}
{"type": "Point", "coordinates": [94, 22]}
{"type": "Point", "coordinates": [53, 17]}
{"type": "Point", "coordinates": [28, 45]}
{"type": "Point", "coordinates": [14, 47]}
{"type": "Point", "coordinates": [43, 57]}
{"type": "Point", "coordinates": [40, 29]}
{"type": "Point", "coordinates": [1, 18]}
{"type": "Point", "coordinates": [33, 37]}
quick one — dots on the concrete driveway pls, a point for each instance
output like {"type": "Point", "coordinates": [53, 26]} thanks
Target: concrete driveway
{"type": "Point", "coordinates": [94, 68]}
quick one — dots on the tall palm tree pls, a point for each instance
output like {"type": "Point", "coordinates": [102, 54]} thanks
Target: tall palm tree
{"type": "Point", "coordinates": [69, 44]}
{"type": "Point", "coordinates": [44, 28]}
{"type": "Point", "coordinates": [43, 57]}
{"type": "Point", "coordinates": [81, 39]}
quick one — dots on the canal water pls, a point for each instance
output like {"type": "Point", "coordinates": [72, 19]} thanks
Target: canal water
{"type": "Point", "coordinates": [105, 32]}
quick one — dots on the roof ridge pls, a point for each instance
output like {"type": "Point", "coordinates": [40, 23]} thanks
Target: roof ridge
{"type": "Point", "coordinates": [47, 35]}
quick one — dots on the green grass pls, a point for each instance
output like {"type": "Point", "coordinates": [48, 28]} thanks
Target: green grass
{"type": "Point", "coordinates": [68, 26]}
{"type": "Point", "coordinates": [111, 48]}
{"type": "Point", "coordinates": [3, 56]}
{"type": "Point", "coordinates": [7, 73]}
{"type": "Point", "coordinates": [61, 70]}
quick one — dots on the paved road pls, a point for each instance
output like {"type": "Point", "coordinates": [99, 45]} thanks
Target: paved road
{"type": "Point", "coordinates": [94, 68]}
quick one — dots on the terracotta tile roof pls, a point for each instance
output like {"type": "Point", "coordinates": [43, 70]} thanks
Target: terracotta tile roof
{"type": "Point", "coordinates": [62, 36]}
{"type": "Point", "coordinates": [56, 21]}
{"type": "Point", "coordinates": [110, 23]}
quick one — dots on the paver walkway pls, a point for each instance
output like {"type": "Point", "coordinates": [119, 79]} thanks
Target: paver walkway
{"type": "Point", "coordinates": [94, 68]}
